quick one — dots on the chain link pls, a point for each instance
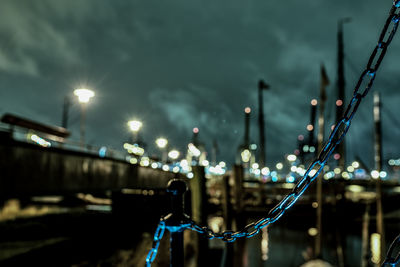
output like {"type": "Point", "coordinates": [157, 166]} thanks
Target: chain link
{"type": "Point", "coordinates": [336, 136]}
{"type": "Point", "coordinates": [392, 259]}
{"type": "Point", "coordinates": [156, 242]}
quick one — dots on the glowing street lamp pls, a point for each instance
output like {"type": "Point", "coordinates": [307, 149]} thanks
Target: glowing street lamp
{"type": "Point", "coordinates": [173, 154]}
{"type": "Point", "coordinates": [162, 144]}
{"type": "Point", "coordinates": [84, 95]}
{"type": "Point", "coordinates": [135, 125]}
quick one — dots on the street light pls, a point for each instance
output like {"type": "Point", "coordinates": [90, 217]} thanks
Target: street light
{"type": "Point", "coordinates": [173, 154]}
{"type": "Point", "coordinates": [162, 144]}
{"type": "Point", "coordinates": [134, 126]}
{"type": "Point", "coordinates": [84, 95]}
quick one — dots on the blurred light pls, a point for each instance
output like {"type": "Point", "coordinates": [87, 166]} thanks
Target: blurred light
{"type": "Point", "coordinates": [195, 130]}
{"type": "Point", "coordinates": [154, 165]}
{"type": "Point", "coordinates": [312, 231]}
{"type": "Point", "coordinates": [314, 204]}
{"type": "Point", "coordinates": [274, 179]}
{"type": "Point", "coordinates": [293, 168]}
{"type": "Point", "coordinates": [175, 169]}
{"type": "Point", "coordinates": [83, 95]}
{"type": "Point", "coordinates": [173, 154]}
{"type": "Point", "coordinates": [314, 102]}
{"type": "Point", "coordinates": [345, 175]}
{"type": "Point", "coordinates": [305, 148]}
{"type": "Point", "coordinates": [336, 156]}
{"type": "Point", "coordinates": [222, 164]}
{"type": "Point", "coordinates": [375, 248]}
{"type": "Point", "coordinates": [247, 110]}
{"type": "Point", "coordinates": [382, 174]}
{"type": "Point", "coordinates": [257, 171]}
{"type": "Point", "coordinates": [165, 167]}
{"type": "Point", "coordinates": [255, 166]}
{"type": "Point", "coordinates": [312, 173]}
{"type": "Point", "coordinates": [265, 171]}
{"type": "Point", "coordinates": [40, 141]}
{"type": "Point", "coordinates": [355, 188]}
{"type": "Point", "coordinates": [312, 149]}
{"type": "Point", "coordinates": [253, 146]}
{"type": "Point", "coordinates": [246, 154]}
{"type": "Point", "coordinates": [355, 164]}
{"type": "Point", "coordinates": [205, 163]}
{"type": "Point", "coordinates": [391, 162]}
{"type": "Point", "coordinates": [339, 102]}
{"type": "Point", "coordinates": [194, 150]}
{"type": "Point", "coordinates": [375, 174]}
{"type": "Point", "coordinates": [291, 157]}
{"type": "Point", "coordinates": [290, 179]}
{"type": "Point", "coordinates": [190, 175]}
{"type": "Point", "coordinates": [145, 161]}
{"type": "Point", "coordinates": [300, 137]}
{"type": "Point", "coordinates": [310, 127]}
{"type": "Point", "coordinates": [135, 125]}
{"type": "Point", "coordinates": [337, 170]}
{"type": "Point", "coordinates": [133, 160]}
{"type": "Point", "coordinates": [102, 152]}
{"type": "Point", "coordinates": [161, 142]}
{"type": "Point", "coordinates": [279, 166]}
{"type": "Point", "coordinates": [350, 169]}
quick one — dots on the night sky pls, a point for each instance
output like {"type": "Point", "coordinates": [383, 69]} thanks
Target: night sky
{"type": "Point", "coordinates": [181, 64]}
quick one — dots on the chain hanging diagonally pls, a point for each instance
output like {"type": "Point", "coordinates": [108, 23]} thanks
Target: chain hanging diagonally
{"type": "Point", "coordinates": [314, 169]}
{"type": "Point", "coordinates": [156, 242]}
{"type": "Point", "coordinates": [392, 259]}
{"type": "Point", "coordinates": [336, 136]}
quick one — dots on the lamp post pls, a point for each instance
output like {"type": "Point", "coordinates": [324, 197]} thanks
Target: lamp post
{"type": "Point", "coordinates": [162, 144]}
{"type": "Point", "coordinates": [135, 126]}
{"type": "Point", "coordinates": [84, 95]}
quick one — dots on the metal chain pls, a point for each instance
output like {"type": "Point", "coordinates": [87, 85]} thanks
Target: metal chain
{"type": "Point", "coordinates": [314, 169]}
{"type": "Point", "coordinates": [156, 242]}
{"type": "Point", "coordinates": [336, 136]}
{"type": "Point", "coordinates": [391, 258]}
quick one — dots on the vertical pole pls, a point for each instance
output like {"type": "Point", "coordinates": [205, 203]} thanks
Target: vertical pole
{"type": "Point", "coordinates": [176, 188]}
{"type": "Point", "coordinates": [261, 85]}
{"type": "Point", "coordinates": [83, 118]}
{"type": "Point", "coordinates": [199, 210]}
{"type": "Point", "coordinates": [320, 139]}
{"type": "Point", "coordinates": [341, 88]}
{"type": "Point", "coordinates": [364, 237]}
{"type": "Point", "coordinates": [65, 115]}
{"type": "Point", "coordinates": [227, 211]}
{"type": "Point", "coordinates": [378, 166]}
{"type": "Point", "coordinates": [239, 218]}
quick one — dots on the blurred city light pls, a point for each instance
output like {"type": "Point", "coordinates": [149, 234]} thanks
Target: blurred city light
{"type": "Point", "coordinates": [246, 154]}
{"type": "Point", "coordinates": [194, 150]}
{"type": "Point", "coordinates": [135, 125]}
{"type": "Point", "coordinates": [173, 154]}
{"type": "Point", "coordinates": [161, 142]}
{"type": "Point", "coordinates": [291, 157]}
{"type": "Point", "coordinates": [83, 94]}
{"type": "Point", "coordinates": [279, 166]}
{"type": "Point", "coordinates": [375, 174]}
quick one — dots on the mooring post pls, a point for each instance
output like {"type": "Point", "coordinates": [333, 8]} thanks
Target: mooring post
{"type": "Point", "coordinates": [175, 221]}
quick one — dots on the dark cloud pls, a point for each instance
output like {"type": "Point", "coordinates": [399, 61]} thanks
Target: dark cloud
{"type": "Point", "coordinates": [181, 64]}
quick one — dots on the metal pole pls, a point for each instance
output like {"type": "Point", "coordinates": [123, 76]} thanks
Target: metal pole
{"type": "Point", "coordinates": [176, 188]}
{"type": "Point", "coordinates": [83, 117]}
{"type": "Point", "coordinates": [378, 166]}
{"type": "Point", "coordinates": [320, 137]}
{"type": "Point", "coordinates": [261, 85]}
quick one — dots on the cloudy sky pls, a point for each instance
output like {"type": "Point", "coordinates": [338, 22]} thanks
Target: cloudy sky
{"type": "Point", "coordinates": [181, 64]}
